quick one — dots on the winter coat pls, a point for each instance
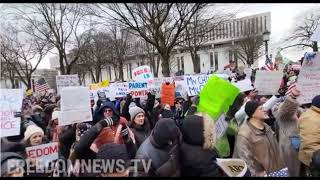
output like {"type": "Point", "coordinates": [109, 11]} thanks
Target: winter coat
{"type": "Point", "coordinates": [259, 149]}
{"type": "Point", "coordinates": [164, 156]}
{"type": "Point", "coordinates": [309, 127]}
{"type": "Point", "coordinates": [288, 127]}
{"type": "Point", "coordinates": [197, 160]}
{"type": "Point", "coordinates": [141, 133]}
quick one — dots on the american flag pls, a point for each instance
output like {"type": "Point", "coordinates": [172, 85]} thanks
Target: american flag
{"type": "Point", "coordinates": [269, 66]}
{"type": "Point", "coordinates": [282, 173]}
{"type": "Point", "coordinates": [41, 85]}
{"type": "Point", "coordinates": [290, 88]}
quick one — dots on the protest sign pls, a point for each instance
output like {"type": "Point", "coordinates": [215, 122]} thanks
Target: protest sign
{"type": "Point", "coordinates": [66, 81]}
{"type": "Point", "coordinates": [143, 74]}
{"type": "Point", "coordinates": [268, 82]}
{"type": "Point", "coordinates": [10, 104]}
{"type": "Point", "coordinates": [232, 167]}
{"type": "Point", "coordinates": [167, 94]}
{"type": "Point", "coordinates": [309, 80]}
{"type": "Point", "coordinates": [93, 86]}
{"type": "Point", "coordinates": [75, 105]}
{"type": "Point", "coordinates": [44, 153]}
{"type": "Point", "coordinates": [244, 85]}
{"type": "Point", "coordinates": [138, 89]}
{"type": "Point", "coordinates": [194, 83]}
{"type": "Point", "coordinates": [180, 88]}
{"type": "Point", "coordinates": [248, 72]}
{"type": "Point", "coordinates": [119, 89]}
{"type": "Point", "coordinates": [104, 83]}
{"type": "Point", "coordinates": [157, 86]}
{"type": "Point", "coordinates": [221, 126]}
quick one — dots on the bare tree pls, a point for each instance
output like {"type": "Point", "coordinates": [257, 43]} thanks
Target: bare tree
{"type": "Point", "coordinates": [153, 58]}
{"type": "Point", "coordinates": [18, 53]}
{"type": "Point", "coordinates": [197, 32]}
{"type": "Point", "coordinates": [160, 24]}
{"type": "Point", "coordinates": [119, 42]}
{"type": "Point", "coordinates": [249, 48]}
{"type": "Point", "coordinates": [304, 29]}
{"type": "Point", "coordinates": [57, 24]}
{"type": "Point", "coordinates": [8, 72]}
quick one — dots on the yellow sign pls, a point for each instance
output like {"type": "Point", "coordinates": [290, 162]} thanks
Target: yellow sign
{"type": "Point", "coordinates": [29, 92]}
{"type": "Point", "coordinates": [93, 86]}
{"type": "Point", "coordinates": [104, 83]}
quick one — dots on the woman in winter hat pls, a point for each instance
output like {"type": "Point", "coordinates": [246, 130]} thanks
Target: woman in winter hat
{"type": "Point", "coordinates": [139, 124]}
{"type": "Point", "coordinates": [33, 135]}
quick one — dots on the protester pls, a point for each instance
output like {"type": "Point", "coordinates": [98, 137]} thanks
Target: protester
{"type": "Point", "coordinates": [309, 131]}
{"type": "Point", "coordinates": [198, 159]}
{"type": "Point", "coordinates": [139, 124]}
{"type": "Point", "coordinates": [12, 164]}
{"type": "Point", "coordinates": [162, 148]}
{"type": "Point", "coordinates": [256, 143]}
{"type": "Point", "coordinates": [287, 120]}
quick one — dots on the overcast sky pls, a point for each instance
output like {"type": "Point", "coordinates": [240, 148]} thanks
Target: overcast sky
{"type": "Point", "coordinates": [283, 17]}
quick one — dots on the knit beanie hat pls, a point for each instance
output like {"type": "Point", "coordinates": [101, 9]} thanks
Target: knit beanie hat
{"type": "Point", "coordinates": [31, 129]}
{"type": "Point", "coordinates": [114, 152]}
{"type": "Point", "coordinates": [134, 111]}
{"type": "Point", "coordinates": [251, 107]}
{"type": "Point", "coordinates": [167, 114]}
{"type": "Point", "coordinates": [165, 131]}
{"type": "Point", "coordinates": [192, 130]}
{"type": "Point", "coordinates": [316, 101]}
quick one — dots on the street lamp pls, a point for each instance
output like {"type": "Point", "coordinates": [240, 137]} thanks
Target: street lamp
{"type": "Point", "coordinates": [266, 38]}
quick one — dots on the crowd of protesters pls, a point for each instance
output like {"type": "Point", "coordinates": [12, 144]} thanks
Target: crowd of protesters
{"type": "Point", "coordinates": [269, 133]}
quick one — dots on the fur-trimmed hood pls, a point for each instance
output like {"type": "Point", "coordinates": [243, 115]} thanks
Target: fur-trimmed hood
{"type": "Point", "coordinates": [198, 129]}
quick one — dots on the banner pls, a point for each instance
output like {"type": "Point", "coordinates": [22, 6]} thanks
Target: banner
{"type": "Point", "coordinates": [44, 153]}
{"type": "Point", "coordinates": [309, 79]}
{"type": "Point", "coordinates": [143, 74]}
{"type": "Point", "coordinates": [268, 82]}
{"type": "Point", "coordinates": [194, 83]}
{"type": "Point", "coordinates": [157, 83]}
{"type": "Point", "coordinates": [66, 81]}
{"type": "Point", "coordinates": [10, 104]}
{"type": "Point", "coordinates": [167, 94]}
{"type": "Point", "coordinates": [75, 105]}
{"type": "Point", "coordinates": [244, 85]}
{"type": "Point", "coordinates": [138, 89]}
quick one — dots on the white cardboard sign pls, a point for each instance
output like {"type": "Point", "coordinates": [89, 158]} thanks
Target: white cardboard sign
{"type": "Point", "coordinates": [44, 153]}
{"type": "Point", "coordinates": [244, 85]}
{"type": "Point", "coordinates": [309, 80]}
{"type": "Point", "coordinates": [75, 105]}
{"type": "Point", "coordinates": [66, 81]}
{"type": "Point", "coordinates": [10, 102]}
{"type": "Point", "coordinates": [194, 83]}
{"type": "Point", "coordinates": [268, 82]}
{"type": "Point", "coordinates": [138, 89]}
{"type": "Point", "coordinates": [143, 74]}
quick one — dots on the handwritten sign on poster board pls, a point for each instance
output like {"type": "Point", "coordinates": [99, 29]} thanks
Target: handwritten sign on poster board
{"type": "Point", "coordinates": [10, 103]}
{"type": "Point", "coordinates": [167, 94]}
{"type": "Point", "coordinates": [268, 82]}
{"type": "Point", "coordinates": [194, 83]}
{"type": "Point", "coordinates": [66, 81]}
{"type": "Point", "coordinates": [309, 80]}
{"type": "Point", "coordinates": [75, 105]}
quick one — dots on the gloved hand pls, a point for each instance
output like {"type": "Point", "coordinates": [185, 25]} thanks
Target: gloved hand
{"type": "Point", "coordinates": [124, 131]}
{"type": "Point", "coordinates": [107, 122]}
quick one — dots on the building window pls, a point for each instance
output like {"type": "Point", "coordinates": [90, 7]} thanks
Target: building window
{"type": "Point", "coordinates": [241, 23]}
{"type": "Point", "coordinates": [178, 63]}
{"type": "Point", "coordinates": [265, 23]}
{"type": "Point", "coordinates": [182, 64]}
{"type": "Point", "coordinates": [245, 27]}
{"type": "Point", "coordinates": [109, 72]}
{"type": "Point", "coordinates": [230, 32]}
{"type": "Point", "coordinates": [261, 26]}
{"type": "Point", "coordinates": [234, 29]}
{"type": "Point", "coordinates": [216, 60]}
{"type": "Point", "coordinates": [237, 28]}
{"type": "Point", "coordinates": [129, 70]}
{"type": "Point", "coordinates": [257, 25]}
{"type": "Point", "coordinates": [230, 55]}
{"type": "Point", "coordinates": [227, 31]}
{"type": "Point", "coordinates": [235, 56]}
{"type": "Point", "coordinates": [211, 60]}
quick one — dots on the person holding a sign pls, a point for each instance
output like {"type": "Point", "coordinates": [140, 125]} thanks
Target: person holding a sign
{"type": "Point", "coordinates": [256, 143]}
